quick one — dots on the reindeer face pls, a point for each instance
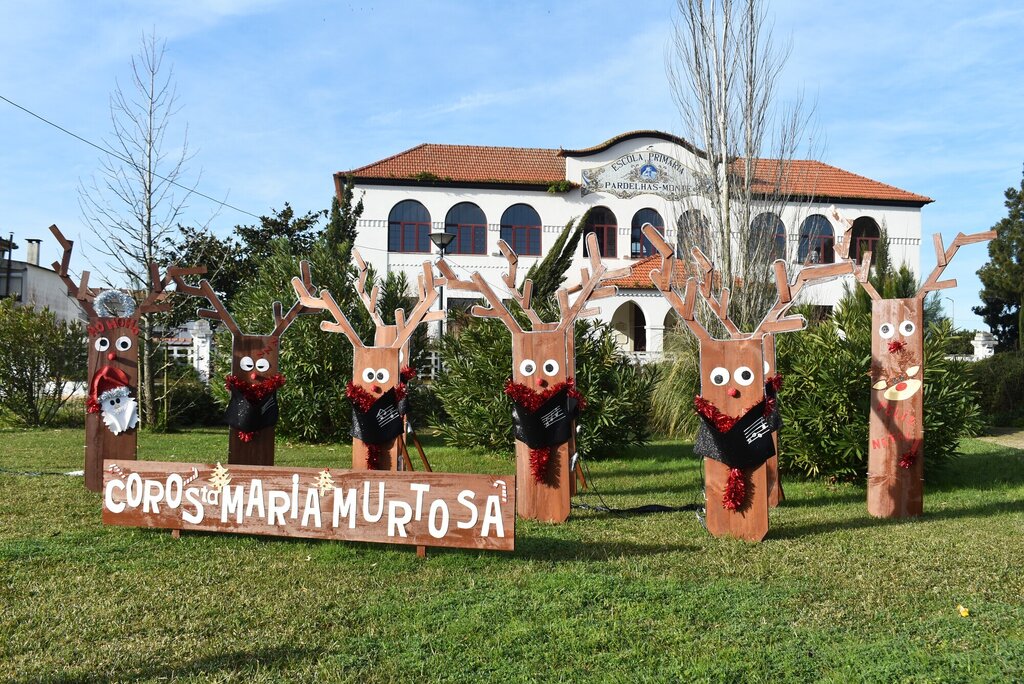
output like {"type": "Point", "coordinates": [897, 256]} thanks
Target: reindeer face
{"type": "Point", "coordinates": [113, 371]}
{"type": "Point", "coordinates": [376, 369]}
{"type": "Point", "coordinates": [732, 374]}
{"type": "Point", "coordinates": [254, 357]}
{"type": "Point", "coordinates": [539, 359]}
{"type": "Point", "coordinates": [897, 343]}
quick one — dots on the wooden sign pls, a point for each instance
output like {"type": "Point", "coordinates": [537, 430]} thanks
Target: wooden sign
{"type": "Point", "coordinates": [377, 390]}
{"type": "Point", "coordinates": [419, 509]}
{"type": "Point", "coordinates": [112, 404]}
{"type": "Point", "coordinates": [542, 385]}
{"type": "Point", "coordinates": [737, 405]}
{"type": "Point", "coordinates": [896, 426]}
{"type": "Point", "coordinates": [255, 375]}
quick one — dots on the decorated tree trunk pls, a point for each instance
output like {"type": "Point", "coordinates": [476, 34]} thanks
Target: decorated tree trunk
{"type": "Point", "coordinates": [377, 390]}
{"type": "Point", "coordinates": [255, 376]}
{"type": "Point", "coordinates": [112, 408]}
{"type": "Point", "coordinates": [545, 400]}
{"type": "Point", "coordinates": [896, 425]}
{"type": "Point", "coordinates": [738, 404]}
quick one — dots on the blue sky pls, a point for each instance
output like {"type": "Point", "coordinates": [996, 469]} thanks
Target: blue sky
{"type": "Point", "coordinates": [278, 96]}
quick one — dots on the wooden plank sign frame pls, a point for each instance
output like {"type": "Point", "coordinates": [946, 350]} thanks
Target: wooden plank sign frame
{"type": "Point", "coordinates": [255, 365]}
{"type": "Point", "coordinates": [896, 425]}
{"type": "Point", "coordinates": [732, 375]}
{"type": "Point", "coordinates": [111, 419]}
{"type": "Point", "coordinates": [376, 370]}
{"type": "Point", "coordinates": [418, 509]}
{"type": "Point", "coordinates": [542, 357]}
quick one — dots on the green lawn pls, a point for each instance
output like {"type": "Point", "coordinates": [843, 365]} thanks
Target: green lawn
{"type": "Point", "coordinates": [831, 595]}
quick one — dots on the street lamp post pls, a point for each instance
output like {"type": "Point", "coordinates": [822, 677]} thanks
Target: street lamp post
{"type": "Point", "coordinates": [441, 240]}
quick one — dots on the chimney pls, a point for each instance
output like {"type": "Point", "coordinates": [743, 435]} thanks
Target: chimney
{"type": "Point", "coordinates": [32, 251]}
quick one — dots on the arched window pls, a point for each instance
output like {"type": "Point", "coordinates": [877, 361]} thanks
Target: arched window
{"type": "Point", "coordinates": [864, 238]}
{"type": "Point", "coordinates": [467, 223]}
{"type": "Point", "coordinates": [409, 227]}
{"type": "Point", "coordinates": [816, 241]}
{"type": "Point", "coordinates": [639, 246]}
{"type": "Point", "coordinates": [602, 223]}
{"type": "Point", "coordinates": [767, 238]}
{"type": "Point", "coordinates": [693, 230]}
{"type": "Point", "coordinates": [520, 228]}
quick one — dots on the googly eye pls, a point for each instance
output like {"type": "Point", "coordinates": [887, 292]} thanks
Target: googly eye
{"type": "Point", "coordinates": [124, 343]}
{"type": "Point", "coordinates": [528, 367]}
{"type": "Point", "coordinates": [401, 357]}
{"type": "Point", "coordinates": [719, 376]}
{"type": "Point", "coordinates": [550, 367]}
{"type": "Point", "coordinates": [766, 368]}
{"type": "Point", "coordinates": [744, 375]}
{"type": "Point", "coordinates": [907, 328]}
{"type": "Point", "coordinates": [246, 363]}
{"type": "Point", "coordinates": [886, 330]}
{"type": "Point", "coordinates": [369, 375]}
{"type": "Point", "coordinates": [262, 365]}
{"type": "Point", "coordinates": [383, 375]}
{"type": "Point", "coordinates": [101, 344]}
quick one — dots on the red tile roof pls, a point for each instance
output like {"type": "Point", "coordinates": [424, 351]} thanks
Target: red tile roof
{"type": "Point", "coordinates": [639, 276]}
{"type": "Point", "coordinates": [469, 164]}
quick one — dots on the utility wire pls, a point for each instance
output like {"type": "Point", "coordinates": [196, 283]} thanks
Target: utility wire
{"type": "Point", "coordinates": [104, 150]}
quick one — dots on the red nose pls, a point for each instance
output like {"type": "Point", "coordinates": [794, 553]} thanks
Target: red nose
{"type": "Point", "coordinates": [733, 392]}
{"type": "Point", "coordinates": [376, 389]}
{"type": "Point", "coordinates": [541, 382]}
{"type": "Point", "coordinates": [253, 375]}
{"type": "Point", "coordinates": [901, 386]}
{"type": "Point", "coordinates": [111, 356]}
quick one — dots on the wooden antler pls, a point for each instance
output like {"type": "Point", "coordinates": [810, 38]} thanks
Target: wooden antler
{"type": "Point", "coordinates": [943, 257]}
{"type": "Point", "coordinates": [862, 270]}
{"type": "Point", "coordinates": [421, 313]}
{"type": "Point", "coordinates": [662, 279]}
{"type": "Point", "coordinates": [369, 301]}
{"type": "Point", "coordinates": [218, 313]}
{"type": "Point", "coordinates": [776, 321]}
{"type": "Point", "coordinates": [324, 302]}
{"type": "Point", "coordinates": [720, 306]}
{"type": "Point", "coordinates": [81, 291]}
{"type": "Point", "coordinates": [154, 301]}
{"type": "Point", "coordinates": [590, 279]}
{"type": "Point", "coordinates": [283, 321]}
{"type": "Point", "coordinates": [525, 298]}
{"type": "Point", "coordinates": [495, 309]}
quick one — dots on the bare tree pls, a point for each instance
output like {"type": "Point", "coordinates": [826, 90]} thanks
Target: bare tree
{"type": "Point", "coordinates": [137, 197]}
{"type": "Point", "coordinates": [723, 69]}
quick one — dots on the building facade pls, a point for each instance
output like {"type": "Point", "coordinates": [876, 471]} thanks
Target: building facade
{"type": "Point", "coordinates": [526, 196]}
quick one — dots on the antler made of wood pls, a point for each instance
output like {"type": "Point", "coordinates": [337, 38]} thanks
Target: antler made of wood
{"type": "Point", "coordinates": [283, 321]}
{"type": "Point", "coordinates": [943, 257]}
{"type": "Point", "coordinates": [154, 301]}
{"type": "Point", "coordinates": [81, 291]}
{"type": "Point", "coordinates": [590, 290]}
{"type": "Point", "coordinates": [776, 321]}
{"type": "Point", "coordinates": [218, 313]}
{"type": "Point", "coordinates": [720, 306]}
{"type": "Point", "coordinates": [324, 302]}
{"type": "Point", "coordinates": [662, 279]}
{"type": "Point", "coordinates": [862, 270]}
{"type": "Point", "coordinates": [495, 307]}
{"type": "Point", "coordinates": [369, 300]}
{"type": "Point", "coordinates": [420, 313]}
{"type": "Point", "coordinates": [525, 298]}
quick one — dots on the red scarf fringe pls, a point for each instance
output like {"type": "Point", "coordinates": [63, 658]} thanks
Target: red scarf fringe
{"type": "Point", "coordinates": [363, 399]}
{"type": "Point", "coordinates": [254, 391]}
{"type": "Point", "coordinates": [244, 436]}
{"type": "Point", "coordinates": [532, 400]}
{"type": "Point", "coordinates": [735, 496]}
{"type": "Point", "coordinates": [724, 422]}
{"type": "Point", "coordinates": [539, 460]}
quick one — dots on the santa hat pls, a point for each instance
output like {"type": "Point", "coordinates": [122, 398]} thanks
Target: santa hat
{"type": "Point", "coordinates": [106, 379]}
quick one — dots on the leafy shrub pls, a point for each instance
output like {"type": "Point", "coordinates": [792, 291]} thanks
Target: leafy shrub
{"type": "Point", "coordinates": [188, 402]}
{"type": "Point", "coordinates": [999, 380]}
{"type": "Point", "coordinates": [477, 362]}
{"type": "Point", "coordinates": [678, 383]}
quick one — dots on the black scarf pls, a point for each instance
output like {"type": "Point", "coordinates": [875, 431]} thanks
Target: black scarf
{"type": "Point", "coordinates": [382, 422]}
{"type": "Point", "coordinates": [550, 425]}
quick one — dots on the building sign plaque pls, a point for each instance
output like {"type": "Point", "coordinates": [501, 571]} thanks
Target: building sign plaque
{"type": "Point", "coordinates": [645, 172]}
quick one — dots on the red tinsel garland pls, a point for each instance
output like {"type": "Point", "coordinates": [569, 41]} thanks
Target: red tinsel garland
{"type": "Point", "coordinates": [254, 391]}
{"type": "Point", "coordinates": [539, 460]}
{"type": "Point", "coordinates": [531, 399]}
{"type": "Point", "coordinates": [897, 346]}
{"type": "Point", "coordinates": [908, 459]}
{"type": "Point", "coordinates": [375, 456]}
{"type": "Point", "coordinates": [407, 373]}
{"type": "Point", "coordinates": [774, 383]}
{"type": "Point", "coordinates": [723, 422]}
{"type": "Point", "coordinates": [244, 436]}
{"type": "Point", "coordinates": [735, 495]}
{"type": "Point", "coordinates": [363, 399]}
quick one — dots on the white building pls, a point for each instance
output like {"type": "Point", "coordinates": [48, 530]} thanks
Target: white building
{"type": "Point", "coordinates": [34, 285]}
{"type": "Point", "coordinates": [527, 195]}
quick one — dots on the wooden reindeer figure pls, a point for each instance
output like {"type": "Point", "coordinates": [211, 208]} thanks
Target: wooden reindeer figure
{"type": "Point", "coordinates": [738, 404]}
{"type": "Point", "coordinates": [112, 414]}
{"type": "Point", "coordinates": [896, 427]}
{"type": "Point", "coordinates": [255, 375]}
{"type": "Point", "coordinates": [545, 399]}
{"type": "Point", "coordinates": [376, 389]}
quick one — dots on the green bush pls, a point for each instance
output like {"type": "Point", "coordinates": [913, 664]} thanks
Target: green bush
{"type": "Point", "coordinates": [999, 380]}
{"type": "Point", "coordinates": [825, 399]}
{"type": "Point", "coordinates": [187, 401]}
{"type": "Point", "coordinates": [477, 362]}
{"type": "Point", "coordinates": [678, 383]}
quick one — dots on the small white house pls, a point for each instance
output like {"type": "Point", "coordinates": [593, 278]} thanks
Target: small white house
{"type": "Point", "coordinates": [527, 195]}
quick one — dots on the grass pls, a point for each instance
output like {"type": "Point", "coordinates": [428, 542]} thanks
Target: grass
{"type": "Point", "coordinates": [831, 595]}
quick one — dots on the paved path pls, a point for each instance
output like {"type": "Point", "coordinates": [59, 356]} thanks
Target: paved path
{"type": "Point", "coordinates": [1011, 437]}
